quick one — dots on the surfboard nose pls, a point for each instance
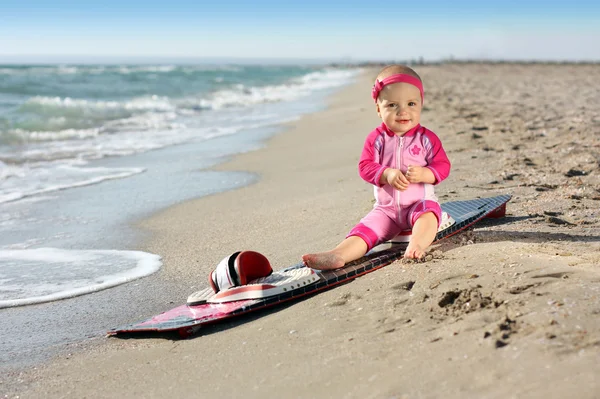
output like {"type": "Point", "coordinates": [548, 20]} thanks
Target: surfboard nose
{"type": "Point", "coordinates": [497, 213]}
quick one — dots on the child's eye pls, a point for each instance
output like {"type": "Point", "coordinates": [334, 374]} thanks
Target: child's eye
{"type": "Point", "coordinates": [412, 103]}
{"type": "Point", "coordinates": [392, 105]}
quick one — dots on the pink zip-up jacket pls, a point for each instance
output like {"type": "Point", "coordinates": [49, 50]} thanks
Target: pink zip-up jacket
{"type": "Point", "coordinates": [384, 149]}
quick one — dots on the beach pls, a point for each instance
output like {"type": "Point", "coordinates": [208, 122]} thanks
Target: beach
{"type": "Point", "coordinates": [526, 322]}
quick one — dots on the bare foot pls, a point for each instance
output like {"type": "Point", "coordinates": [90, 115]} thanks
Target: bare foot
{"type": "Point", "coordinates": [414, 251]}
{"type": "Point", "coordinates": [323, 261]}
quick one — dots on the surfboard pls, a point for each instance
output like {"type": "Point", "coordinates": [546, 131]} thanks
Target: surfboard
{"type": "Point", "coordinates": [187, 319]}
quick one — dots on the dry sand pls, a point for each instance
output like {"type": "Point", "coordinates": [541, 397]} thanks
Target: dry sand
{"type": "Point", "coordinates": [509, 309]}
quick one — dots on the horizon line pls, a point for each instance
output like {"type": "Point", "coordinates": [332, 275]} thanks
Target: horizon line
{"type": "Point", "coordinates": [30, 59]}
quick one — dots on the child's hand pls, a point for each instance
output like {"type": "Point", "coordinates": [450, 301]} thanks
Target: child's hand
{"type": "Point", "coordinates": [418, 174]}
{"type": "Point", "coordinates": [396, 179]}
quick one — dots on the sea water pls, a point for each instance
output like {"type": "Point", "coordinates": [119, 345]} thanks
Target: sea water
{"type": "Point", "coordinates": [86, 149]}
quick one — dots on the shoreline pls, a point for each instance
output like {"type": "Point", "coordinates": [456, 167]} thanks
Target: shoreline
{"type": "Point", "coordinates": [80, 194]}
{"type": "Point", "coordinates": [369, 338]}
{"type": "Point", "coordinates": [262, 163]}
{"type": "Point", "coordinates": [168, 167]}
{"type": "Point", "coordinates": [163, 281]}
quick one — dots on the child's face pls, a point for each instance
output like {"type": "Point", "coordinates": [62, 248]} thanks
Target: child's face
{"type": "Point", "coordinates": [399, 107]}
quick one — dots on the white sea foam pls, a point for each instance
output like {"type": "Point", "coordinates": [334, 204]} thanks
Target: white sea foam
{"type": "Point", "coordinates": [66, 134]}
{"type": "Point", "coordinates": [241, 95]}
{"type": "Point", "coordinates": [47, 274]}
{"type": "Point", "coordinates": [146, 103]}
{"type": "Point", "coordinates": [238, 95]}
{"type": "Point", "coordinates": [60, 70]}
{"type": "Point", "coordinates": [154, 69]}
{"type": "Point", "coordinates": [25, 181]}
{"type": "Point", "coordinates": [115, 69]}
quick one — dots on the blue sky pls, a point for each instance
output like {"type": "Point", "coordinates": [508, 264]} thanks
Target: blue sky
{"type": "Point", "coordinates": [331, 30]}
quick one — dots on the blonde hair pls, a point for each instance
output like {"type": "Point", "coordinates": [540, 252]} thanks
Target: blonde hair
{"type": "Point", "coordinates": [395, 69]}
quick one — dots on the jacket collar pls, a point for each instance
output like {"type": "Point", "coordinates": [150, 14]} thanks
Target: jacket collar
{"type": "Point", "coordinates": [411, 132]}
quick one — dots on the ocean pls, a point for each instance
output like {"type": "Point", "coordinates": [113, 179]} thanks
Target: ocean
{"type": "Point", "coordinates": [85, 150]}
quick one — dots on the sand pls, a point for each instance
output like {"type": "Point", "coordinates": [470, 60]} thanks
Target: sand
{"type": "Point", "coordinates": [510, 309]}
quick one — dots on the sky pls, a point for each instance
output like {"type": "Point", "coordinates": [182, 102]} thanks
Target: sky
{"type": "Point", "coordinates": [374, 30]}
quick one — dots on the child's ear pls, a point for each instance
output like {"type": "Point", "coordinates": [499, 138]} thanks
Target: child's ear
{"type": "Point", "coordinates": [378, 110]}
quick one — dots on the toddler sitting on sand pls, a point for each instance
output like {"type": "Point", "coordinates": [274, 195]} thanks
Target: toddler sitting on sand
{"type": "Point", "coordinates": [403, 160]}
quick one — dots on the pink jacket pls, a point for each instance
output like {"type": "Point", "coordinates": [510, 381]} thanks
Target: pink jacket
{"type": "Point", "coordinates": [384, 149]}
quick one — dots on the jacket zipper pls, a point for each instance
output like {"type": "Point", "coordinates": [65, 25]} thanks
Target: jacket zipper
{"type": "Point", "coordinates": [399, 149]}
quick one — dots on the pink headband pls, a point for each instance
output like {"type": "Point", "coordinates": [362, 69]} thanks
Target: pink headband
{"type": "Point", "coordinates": [397, 78]}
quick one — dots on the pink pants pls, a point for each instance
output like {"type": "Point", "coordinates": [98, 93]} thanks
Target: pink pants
{"type": "Point", "coordinates": [378, 227]}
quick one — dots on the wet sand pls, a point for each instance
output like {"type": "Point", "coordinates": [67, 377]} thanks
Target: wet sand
{"type": "Point", "coordinates": [508, 309]}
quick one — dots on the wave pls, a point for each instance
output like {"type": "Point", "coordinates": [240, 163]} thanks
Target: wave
{"type": "Point", "coordinates": [70, 106]}
{"type": "Point", "coordinates": [25, 181]}
{"type": "Point", "coordinates": [43, 118]}
{"type": "Point", "coordinates": [237, 94]}
{"type": "Point", "coordinates": [79, 272]}
{"type": "Point", "coordinates": [111, 69]}
{"type": "Point", "coordinates": [47, 142]}
{"type": "Point", "coordinates": [242, 95]}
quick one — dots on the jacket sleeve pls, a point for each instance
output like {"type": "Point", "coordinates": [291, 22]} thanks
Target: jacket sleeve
{"type": "Point", "coordinates": [437, 160]}
{"type": "Point", "coordinates": [369, 166]}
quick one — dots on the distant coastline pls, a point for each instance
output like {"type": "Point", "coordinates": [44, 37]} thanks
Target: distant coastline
{"type": "Point", "coordinates": [412, 62]}
{"type": "Point", "coordinates": [345, 63]}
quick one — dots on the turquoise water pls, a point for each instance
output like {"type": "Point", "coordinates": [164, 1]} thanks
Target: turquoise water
{"type": "Point", "coordinates": [46, 103]}
{"type": "Point", "coordinates": [85, 149]}
{"type": "Point", "coordinates": [55, 119]}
